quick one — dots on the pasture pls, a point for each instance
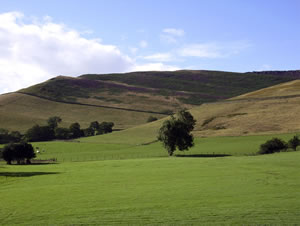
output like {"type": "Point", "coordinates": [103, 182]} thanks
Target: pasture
{"type": "Point", "coordinates": [229, 190]}
{"type": "Point", "coordinates": [121, 145]}
{"type": "Point", "coordinates": [135, 183]}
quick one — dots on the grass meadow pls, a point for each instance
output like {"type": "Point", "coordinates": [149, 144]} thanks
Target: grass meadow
{"type": "Point", "coordinates": [151, 191]}
{"type": "Point", "coordinates": [129, 183]}
{"type": "Point", "coordinates": [94, 148]}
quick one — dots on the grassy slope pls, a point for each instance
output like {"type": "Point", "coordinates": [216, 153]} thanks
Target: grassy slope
{"type": "Point", "coordinates": [280, 90]}
{"type": "Point", "coordinates": [150, 91]}
{"type": "Point", "coordinates": [20, 112]}
{"type": "Point", "coordinates": [231, 190]}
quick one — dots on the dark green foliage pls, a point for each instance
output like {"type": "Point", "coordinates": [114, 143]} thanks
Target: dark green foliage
{"type": "Point", "coordinates": [272, 146]}
{"type": "Point", "coordinates": [53, 122]}
{"type": "Point", "coordinates": [39, 133]}
{"type": "Point", "coordinates": [105, 127]}
{"type": "Point", "coordinates": [294, 143]}
{"type": "Point", "coordinates": [15, 136]}
{"type": "Point", "coordinates": [176, 132]}
{"type": "Point", "coordinates": [6, 137]}
{"type": "Point", "coordinates": [75, 130]}
{"type": "Point", "coordinates": [94, 126]}
{"type": "Point", "coordinates": [62, 133]}
{"type": "Point", "coordinates": [19, 152]}
{"type": "Point", "coordinates": [151, 119]}
{"type": "Point", "coordinates": [88, 132]}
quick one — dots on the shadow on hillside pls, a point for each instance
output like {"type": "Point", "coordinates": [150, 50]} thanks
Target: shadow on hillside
{"type": "Point", "coordinates": [204, 155]}
{"type": "Point", "coordinates": [25, 174]}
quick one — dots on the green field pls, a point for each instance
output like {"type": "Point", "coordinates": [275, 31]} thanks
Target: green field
{"type": "Point", "coordinates": [86, 150]}
{"type": "Point", "coordinates": [231, 190]}
{"type": "Point", "coordinates": [127, 182]}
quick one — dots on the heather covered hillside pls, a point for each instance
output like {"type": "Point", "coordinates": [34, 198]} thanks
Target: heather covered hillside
{"type": "Point", "coordinates": [127, 99]}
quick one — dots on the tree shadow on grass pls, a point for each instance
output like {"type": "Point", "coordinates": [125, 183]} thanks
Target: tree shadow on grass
{"type": "Point", "coordinates": [204, 155]}
{"type": "Point", "coordinates": [25, 174]}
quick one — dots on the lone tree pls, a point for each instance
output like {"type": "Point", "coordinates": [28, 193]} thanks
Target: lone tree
{"type": "Point", "coordinates": [19, 152]}
{"type": "Point", "coordinates": [176, 132]}
{"type": "Point", "coordinates": [294, 143]}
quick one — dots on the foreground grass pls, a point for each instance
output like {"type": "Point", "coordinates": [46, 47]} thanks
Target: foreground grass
{"type": "Point", "coordinates": [230, 190]}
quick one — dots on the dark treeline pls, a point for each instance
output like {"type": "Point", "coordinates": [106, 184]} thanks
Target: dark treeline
{"type": "Point", "coordinates": [52, 131]}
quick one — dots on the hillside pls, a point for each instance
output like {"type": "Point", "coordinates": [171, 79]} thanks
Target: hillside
{"type": "Point", "coordinates": [260, 115]}
{"type": "Point", "coordinates": [127, 99]}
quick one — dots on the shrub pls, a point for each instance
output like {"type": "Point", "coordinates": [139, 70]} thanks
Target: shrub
{"type": "Point", "coordinates": [294, 143]}
{"type": "Point", "coordinates": [272, 146]}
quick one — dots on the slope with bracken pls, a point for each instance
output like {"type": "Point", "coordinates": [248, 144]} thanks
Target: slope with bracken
{"type": "Point", "coordinates": [127, 99]}
{"type": "Point", "coordinates": [272, 110]}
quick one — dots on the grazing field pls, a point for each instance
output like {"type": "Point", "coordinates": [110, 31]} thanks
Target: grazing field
{"type": "Point", "coordinates": [88, 151]}
{"type": "Point", "coordinates": [169, 191]}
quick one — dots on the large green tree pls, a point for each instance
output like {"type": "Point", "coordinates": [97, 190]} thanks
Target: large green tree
{"type": "Point", "coordinates": [176, 132]}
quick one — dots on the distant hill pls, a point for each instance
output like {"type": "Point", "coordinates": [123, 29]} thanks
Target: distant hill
{"type": "Point", "coordinates": [127, 99]}
{"type": "Point", "coordinates": [275, 113]}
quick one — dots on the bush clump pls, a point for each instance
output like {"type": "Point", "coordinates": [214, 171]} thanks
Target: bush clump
{"type": "Point", "coordinates": [294, 143]}
{"type": "Point", "coordinates": [272, 146]}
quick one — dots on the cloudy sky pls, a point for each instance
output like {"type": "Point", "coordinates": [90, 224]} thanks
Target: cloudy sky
{"type": "Point", "coordinates": [43, 39]}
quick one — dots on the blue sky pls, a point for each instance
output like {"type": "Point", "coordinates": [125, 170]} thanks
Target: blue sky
{"type": "Point", "coordinates": [42, 39]}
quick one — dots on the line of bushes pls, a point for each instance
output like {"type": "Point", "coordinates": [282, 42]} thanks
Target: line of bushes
{"type": "Point", "coordinates": [278, 145]}
{"type": "Point", "coordinates": [52, 131]}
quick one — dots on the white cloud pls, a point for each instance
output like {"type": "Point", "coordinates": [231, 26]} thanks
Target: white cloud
{"type": "Point", "coordinates": [168, 39]}
{"type": "Point", "coordinates": [171, 35]}
{"type": "Point", "coordinates": [133, 50]}
{"type": "Point", "coordinates": [213, 49]}
{"type": "Point", "coordinates": [143, 44]}
{"type": "Point", "coordinates": [162, 57]}
{"type": "Point", "coordinates": [174, 31]}
{"type": "Point", "coordinates": [33, 52]}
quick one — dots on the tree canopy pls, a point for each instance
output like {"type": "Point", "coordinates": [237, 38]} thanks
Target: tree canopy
{"type": "Point", "coordinates": [19, 152]}
{"type": "Point", "coordinates": [176, 132]}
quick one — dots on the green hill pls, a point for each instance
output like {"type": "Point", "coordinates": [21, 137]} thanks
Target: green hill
{"type": "Point", "coordinates": [127, 99]}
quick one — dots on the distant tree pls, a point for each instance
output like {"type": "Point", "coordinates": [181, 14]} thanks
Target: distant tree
{"type": "Point", "coordinates": [53, 122]}
{"type": "Point", "coordinates": [39, 133]}
{"type": "Point", "coordinates": [88, 132]}
{"type": "Point", "coordinates": [294, 143]}
{"type": "Point", "coordinates": [62, 133]}
{"type": "Point", "coordinates": [272, 146]}
{"type": "Point", "coordinates": [8, 153]}
{"type": "Point", "coordinates": [28, 152]}
{"type": "Point", "coordinates": [4, 136]}
{"type": "Point", "coordinates": [15, 136]}
{"type": "Point", "coordinates": [75, 130]}
{"type": "Point", "coordinates": [94, 126]}
{"type": "Point", "coordinates": [19, 152]}
{"type": "Point", "coordinates": [105, 127]}
{"type": "Point", "coordinates": [1, 151]}
{"type": "Point", "coordinates": [151, 119]}
{"type": "Point", "coordinates": [176, 132]}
